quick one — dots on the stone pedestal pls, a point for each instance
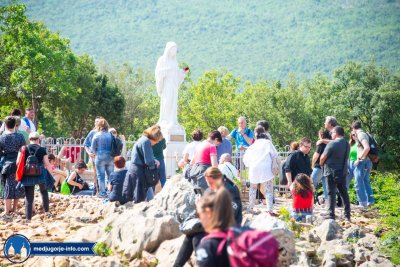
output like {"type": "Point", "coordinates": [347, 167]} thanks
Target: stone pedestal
{"type": "Point", "coordinates": [175, 138]}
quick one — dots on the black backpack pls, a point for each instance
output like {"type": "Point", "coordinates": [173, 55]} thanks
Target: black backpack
{"type": "Point", "coordinates": [373, 145]}
{"type": "Point", "coordinates": [116, 146]}
{"type": "Point", "coordinates": [32, 166]}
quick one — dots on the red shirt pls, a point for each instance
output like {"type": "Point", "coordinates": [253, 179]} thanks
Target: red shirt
{"type": "Point", "coordinates": [203, 153]}
{"type": "Point", "coordinates": [72, 152]}
{"type": "Point", "coordinates": [300, 202]}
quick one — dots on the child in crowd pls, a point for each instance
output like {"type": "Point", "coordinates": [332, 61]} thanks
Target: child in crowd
{"type": "Point", "coordinates": [75, 182]}
{"type": "Point", "coordinates": [58, 175]}
{"type": "Point", "coordinates": [302, 191]}
{"type": "Point", "coordinates": [117, 178]}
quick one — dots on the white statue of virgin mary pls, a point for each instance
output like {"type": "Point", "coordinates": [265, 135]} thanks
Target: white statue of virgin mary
{"type": "Point", "coordinates": [168, 79]}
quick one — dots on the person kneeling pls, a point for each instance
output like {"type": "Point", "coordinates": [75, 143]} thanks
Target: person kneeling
{"type": "Point", "coordinates": [75, 182]}
{"type": "Point", "coordinates": [117, 178]}
{"type": "Point", "coordinates": [302, 191]}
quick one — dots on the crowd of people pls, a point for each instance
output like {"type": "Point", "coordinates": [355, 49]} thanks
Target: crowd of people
{"type": "Point", "coordinates": [208, 164]}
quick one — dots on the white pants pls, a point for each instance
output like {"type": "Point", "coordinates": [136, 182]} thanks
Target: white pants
{"type": "Point", "coordinates": [267, 188]}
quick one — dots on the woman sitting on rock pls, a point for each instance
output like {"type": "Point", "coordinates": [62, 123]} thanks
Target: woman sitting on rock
{"type": "Point", "coordinates": [302, 191]}
{"type": "Point", "coordinates": [77, 185]}
{"type": "Point", "coordinates": [117, 178]}
{"type": "Point", "coordinates": [135, 187]}
{"type": "Point", "coordinates": [216, 215]}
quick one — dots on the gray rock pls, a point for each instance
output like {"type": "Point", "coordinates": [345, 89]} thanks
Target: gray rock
{"type": "Point", "coordinates": [340, 249]}
{"type": "Point", "coordinates": [329, 260]}
{"type": "Point", "coordinates": [370, 242]}
{"type": "Point", "coordinates": [282, 234]}
{"type": "Point", "coordinates": [353, 233]}
{"type": "Point", "coordinates": [328, 230]}
{"type": "Point", "coordinates": [168, 251]}
{"type": "Point", "coordinates": [360, 255]}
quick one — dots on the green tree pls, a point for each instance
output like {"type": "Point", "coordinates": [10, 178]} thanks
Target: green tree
{"type": "Point", "coordinates": [38, 60]}
{"type": "Point", "coordinates": [210, 103]}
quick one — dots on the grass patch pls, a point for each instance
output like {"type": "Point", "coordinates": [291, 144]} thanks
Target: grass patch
{"type": "Point", "coordinates": [108, 229]}
{"type": "Point", "coordinates": [101, 249]}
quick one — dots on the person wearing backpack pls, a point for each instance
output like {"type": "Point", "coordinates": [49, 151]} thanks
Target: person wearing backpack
{"type": "Point", "coordinates": [216, 215]}
{"type": "Point", "coordinates": [363, 166]}
{"type": "Point", "coordinates": [246, 246]}
{"type": "Point", "coordinates": [215, 180]}
{"type": "Point", "coordinates": [243, 137]}
{"type": "Point", "coordinates": [104, 161]}
{"type": "Point", "coordinates": [36, 169]}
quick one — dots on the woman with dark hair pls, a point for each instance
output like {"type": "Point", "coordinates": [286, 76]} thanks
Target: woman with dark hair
{"type": "Point", "coordinates": [29, 181]}
{"type": "Point", "coordinates": [302, 191]}
{"type": "Point", "coordinates": [190, 149]}
{"type": "Point", "coordinates": [216, 215]}
{"type": "Point", "coordinates": [316, 174]}
{"type": "Point", "coordinates": [205, 156]}
{"type": "Point", "coordinates": [135, 187]}
{"type": "Point", "coordinates": [77, 185]}
{"type": "Point", "coordinates": [258, 158]}
{"type": "Point", "coordinates": [10, 143]}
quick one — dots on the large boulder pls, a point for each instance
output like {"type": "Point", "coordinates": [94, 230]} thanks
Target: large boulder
{"type": "Point", "coordinates": [130, 229]}
{"type": "Point", "coordinates": [168, 251]}
{"type": "Point", "coordinates": [328, 230]}
{"type": "Point", "coordinates": [282, 234]}
{"type": "Point", "coordinates": [340, 249]}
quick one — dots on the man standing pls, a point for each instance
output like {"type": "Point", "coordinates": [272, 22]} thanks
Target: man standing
{"type": "Point", "coordinates": [335, 159]}
{"type": "Point", "coordinates": [27, 123]}
{"type": "Point", "coordinates": [363, 166]}
{"type": "Point", "coordinates": [243, 139]}
{"type": "Point", "coordinates": [298, 161]}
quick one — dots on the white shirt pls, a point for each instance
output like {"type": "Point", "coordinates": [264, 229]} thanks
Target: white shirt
{"type": "Point", "coordinates": [258, 158]}
{"type": "Point", "coordinates": [191, 149]}
{"type": "Point", "coordinates": [24, 127]}
{"type": "Point", "coordinates": [228, 170]}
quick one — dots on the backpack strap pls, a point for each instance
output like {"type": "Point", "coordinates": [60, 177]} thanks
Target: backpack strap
{"type": "Point", "coordinates": [27, 122]}
{"type": "Point", "coordinates": [218, 235]}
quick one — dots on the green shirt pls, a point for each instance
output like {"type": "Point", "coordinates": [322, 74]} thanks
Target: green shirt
{"type": "Point", "coordinates": [353, 152]}
{"type": "Point", "coordinates": [158, 149]}
{"type": "Point", "coordinates": [26, 136]}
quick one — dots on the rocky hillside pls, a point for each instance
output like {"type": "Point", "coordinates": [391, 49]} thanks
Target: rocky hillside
{"type": "Point", "coordinates": [147, 234]}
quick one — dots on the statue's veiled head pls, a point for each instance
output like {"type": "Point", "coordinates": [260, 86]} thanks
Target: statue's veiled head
{"type": "Point", "coordinates": [170, 50]}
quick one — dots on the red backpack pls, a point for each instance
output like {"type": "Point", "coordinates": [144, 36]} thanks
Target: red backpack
{"type": "Point", "coordinates": [247, 247]}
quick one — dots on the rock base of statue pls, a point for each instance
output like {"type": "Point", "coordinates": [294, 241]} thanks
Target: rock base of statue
{"type": "Point", "coordinates": [175, 137]}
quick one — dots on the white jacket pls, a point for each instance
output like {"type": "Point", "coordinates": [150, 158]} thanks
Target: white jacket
{"type": "Point", "coordinates": [258, 158]}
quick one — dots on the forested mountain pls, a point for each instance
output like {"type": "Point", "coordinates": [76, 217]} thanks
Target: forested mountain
{"type": "Point", "coordinates": [260, 39]}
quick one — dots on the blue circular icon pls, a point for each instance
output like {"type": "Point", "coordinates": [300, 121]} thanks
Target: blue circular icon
{"type": "Point", "coordinates": [17, 248]}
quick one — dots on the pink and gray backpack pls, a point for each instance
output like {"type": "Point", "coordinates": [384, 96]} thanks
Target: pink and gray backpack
{"type": "Point", "coordinates": [247, 247]}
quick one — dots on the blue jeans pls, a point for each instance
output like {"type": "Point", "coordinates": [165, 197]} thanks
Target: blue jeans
{"type": "Point", "coordinates": [316, 176]}
{"type": "Point", "coordinates": [103, 164]}
{"type": "Point", "coordinates": [150, 194]}
{"type": "Point", "coordinates": [362, 183]}
{"type": "Point", "coordinates": [350, 175]}
{"type": "Point", "coordinates": [163, 176]}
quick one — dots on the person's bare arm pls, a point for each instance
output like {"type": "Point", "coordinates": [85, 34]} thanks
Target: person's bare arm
{"type": "Point", "coordinates": [323, 141]}
{"type": "Point", "coordinates": [314, 159]}
{"type": "Point", "coordinates": [109, 187]}
{"type": "Point", "coordinates": [214, 162]}
{"type": "Point", "coordinates": [289, 178]}
{"type": "Point", "coordinates": [47, 163]}
{"type": "Point", "coordinates": [323, 159]}
{"type": "Point", "coordinates": [71, 180]}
